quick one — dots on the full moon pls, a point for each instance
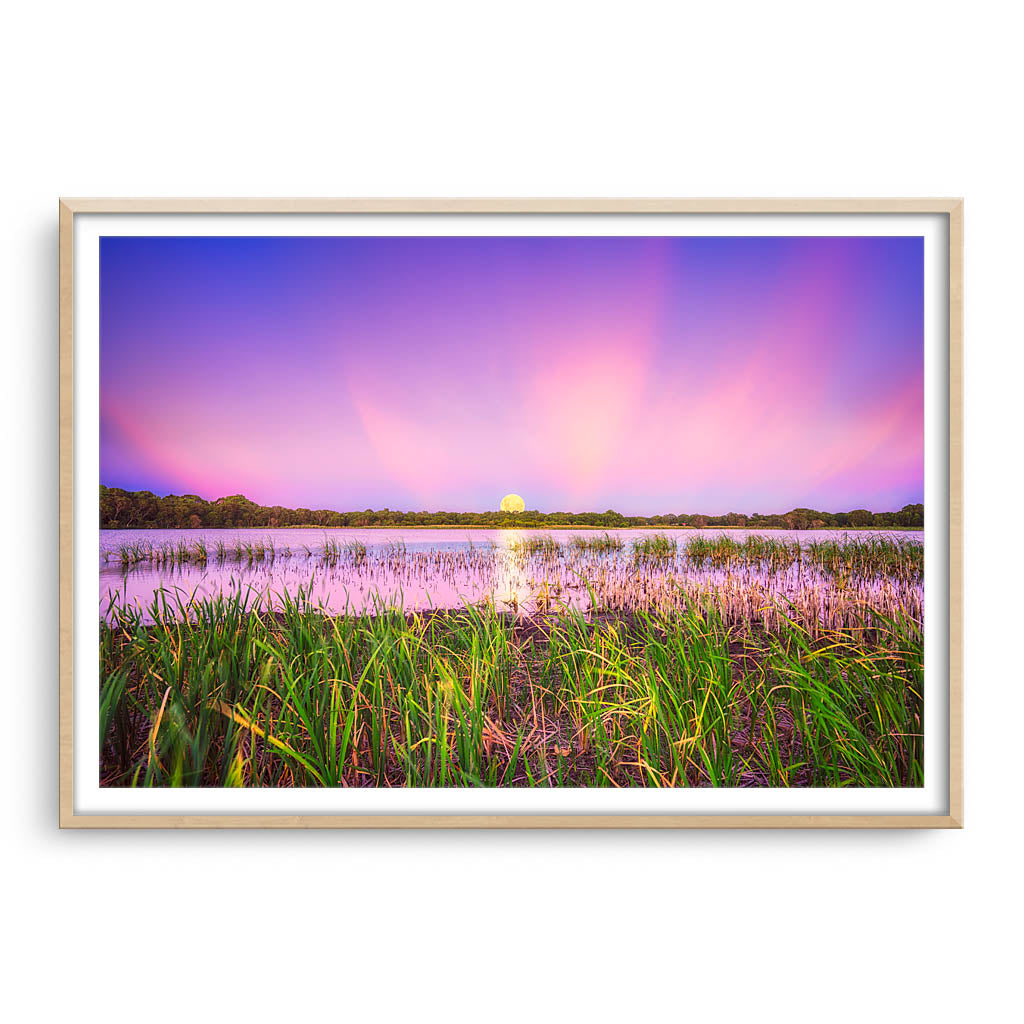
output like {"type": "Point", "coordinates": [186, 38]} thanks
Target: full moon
{"type": "Point", "coordinates": [512, 503]}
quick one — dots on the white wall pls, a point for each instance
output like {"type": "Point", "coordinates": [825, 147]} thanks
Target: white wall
{"type": "Point", "coordinates": [513, 99]}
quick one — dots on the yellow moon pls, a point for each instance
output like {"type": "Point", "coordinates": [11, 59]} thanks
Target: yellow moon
{"type": "Point", "coordinates": [512, 503]}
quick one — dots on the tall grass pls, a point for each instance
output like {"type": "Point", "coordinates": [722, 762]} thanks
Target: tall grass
{"type": "Point", "coordinates": [848, 558]}
{"type": "Point", "coordinates": [603, 545]}
{"type": "Point", "coordinates": [197, 552]}
{"type": "Point", "coordinates": [897, 558]}
{"type": "Point", "coordinates": [543, 546]}
{"type": "Point", "coordinates": [658, 548]}
{"type": "Point", "coordinates": [769, 553]}
{"type": "Point", "coordinates": [861, 556]}
{"type": "Point", "coordinates": [227, 691]}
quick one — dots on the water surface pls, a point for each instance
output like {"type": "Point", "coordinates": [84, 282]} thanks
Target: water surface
{"type": "Point", "coordinates": [359, 569]}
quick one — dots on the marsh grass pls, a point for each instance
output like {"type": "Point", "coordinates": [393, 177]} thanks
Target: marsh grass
{"type": "Point", "coordinates": [897, 558]}
{"type": "Point", "coordinates": [197, 552]}
{"type": "Point", "coordinates": [758, 580]}
{"type": "Point", "coordinates": [529, 547]}
{"type": "Point", "coordinates": [229, 691]}
{"type": "Point", "coordinates": [861, 556]}
{"type": "Point", "coordinates": [603, 545]}
{"type": "Point", "coordinates": [658, 548]}
{"type": "Point", "coordinates": [857, 557]}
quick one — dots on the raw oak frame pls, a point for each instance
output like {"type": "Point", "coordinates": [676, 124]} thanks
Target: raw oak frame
{"type": "Point", "coordinates": [952, 208]}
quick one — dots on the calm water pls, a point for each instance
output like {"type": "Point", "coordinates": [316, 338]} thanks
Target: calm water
{"type": "Point", "coordinates": [428, 568]}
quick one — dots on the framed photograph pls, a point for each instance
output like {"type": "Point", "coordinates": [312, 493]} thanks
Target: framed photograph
{"type": "Point", "coordinates": [511, 513]}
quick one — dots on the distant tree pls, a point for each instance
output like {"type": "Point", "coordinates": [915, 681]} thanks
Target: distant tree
{"type": "Point", "coordinates": [120, 509]}
{"type": "Point", "coordinates": [911, 515]}
{"type": "Point", "coordinates": [143, 509]}
{"type": "Point", "coordinates": [238, 510]}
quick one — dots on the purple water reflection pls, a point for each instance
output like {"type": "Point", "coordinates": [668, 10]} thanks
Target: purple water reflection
{"type": "Point", "coordinates": [445, 568]}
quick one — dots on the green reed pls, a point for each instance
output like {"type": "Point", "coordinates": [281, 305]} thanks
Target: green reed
{"type": "Point", "coordinates": [606, 544]}
{"type": "Point", "coordinates": [861, 556]}
{"type": "Point", "coordinates": [658, 548]}
{"type": "Point", "coordinates": [543, 546]}
{"type": "Point", "coordinates": [227, 690]}
{"type": "Point", "coordinates": [899, 558]}
{"type": "Point", "coordinates": [196, 552]}
{"type": "Point", "coordinates": [725, 552]}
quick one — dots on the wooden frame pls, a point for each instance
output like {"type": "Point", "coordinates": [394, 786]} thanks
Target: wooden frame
{"type": "Point", "coordinates": [952, 208]}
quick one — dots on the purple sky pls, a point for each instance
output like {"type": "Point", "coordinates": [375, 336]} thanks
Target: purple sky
{"type": "Point", "coordinates": [648, 375]}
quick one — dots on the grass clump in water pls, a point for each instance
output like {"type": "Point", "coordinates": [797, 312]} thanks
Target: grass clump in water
{"type": "Point", "coordinates": [658, 548]}
{"type": "Point", "coordinates": [544, 546]}
{"type": "Point", "coordinates": [604, 545]}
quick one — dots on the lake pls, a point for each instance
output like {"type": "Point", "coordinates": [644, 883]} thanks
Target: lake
{"type": "Point", "coordinates": [523, 571]}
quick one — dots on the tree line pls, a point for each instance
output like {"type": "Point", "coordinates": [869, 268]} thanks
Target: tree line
{"type": "Point", "coordinates": [120, 509]}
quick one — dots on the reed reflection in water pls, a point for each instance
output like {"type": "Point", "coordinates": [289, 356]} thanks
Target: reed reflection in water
{"type": "Point", "coordinates": [823, 577]}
